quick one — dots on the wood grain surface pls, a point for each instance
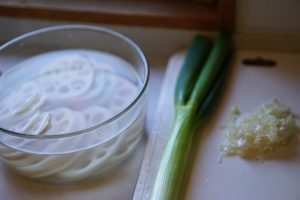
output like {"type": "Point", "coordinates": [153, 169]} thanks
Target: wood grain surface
{"type": "Point", "coordinates": [166, 14]}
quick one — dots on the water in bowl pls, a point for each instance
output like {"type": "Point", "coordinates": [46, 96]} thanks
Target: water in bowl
{"type": "Point", "coordinates": [61, 92]}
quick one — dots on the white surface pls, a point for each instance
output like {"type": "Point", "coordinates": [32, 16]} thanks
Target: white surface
{"type": "Point", "coordinates": [233, 179]}
{"type": "Point", "coordinates": [268, 16]}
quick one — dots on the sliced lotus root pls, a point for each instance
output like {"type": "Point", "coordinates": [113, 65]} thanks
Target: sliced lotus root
{"type": "Point", "coordinates": [35, 125]}
{"type": "Point", "coordinates": [23, 105]}
{"type": "Point", "coordinates": [125, 93]}
{"type": "Point", "coordinates": [27, 89]}
{"type": "Point", "coordinates": [19, 100]}
{"type": "Point", "coordinates": [63, 120]}
{"type": "Point", "coordinates": [96, 114]}
{"type": "Point", "coordinates": [103, 87]}
{"type": "Point", "coordinates": [67, 77]}
{"type": "Point", "coordinates": [81, 122]}
{"type": "Point", "coordinates": [4, 111]}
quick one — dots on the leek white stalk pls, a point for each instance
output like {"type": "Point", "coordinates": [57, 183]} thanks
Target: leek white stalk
{"type": "Point", "coordinates": [196, 90]}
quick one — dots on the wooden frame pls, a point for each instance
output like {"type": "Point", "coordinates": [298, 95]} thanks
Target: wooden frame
{"type": "Point", "coordinates": [166, 14]}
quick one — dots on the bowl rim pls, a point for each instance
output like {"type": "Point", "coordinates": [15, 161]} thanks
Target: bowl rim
{"type": "Point", "coordinates": [99, 125]}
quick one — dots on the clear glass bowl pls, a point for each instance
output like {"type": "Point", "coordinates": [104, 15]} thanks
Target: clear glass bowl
{"type": "Point", "coordinates": [85, 152]}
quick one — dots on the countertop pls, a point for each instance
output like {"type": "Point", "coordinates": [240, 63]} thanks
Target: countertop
{"type": "Point", "coordinates": [159, 45]}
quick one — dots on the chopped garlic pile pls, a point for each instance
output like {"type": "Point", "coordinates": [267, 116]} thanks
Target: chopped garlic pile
{"type": "Point", "coordinates": [257, 134]}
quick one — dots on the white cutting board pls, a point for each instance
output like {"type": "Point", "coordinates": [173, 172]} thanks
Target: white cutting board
{"type": "Point", "coordinates": [232, 179]}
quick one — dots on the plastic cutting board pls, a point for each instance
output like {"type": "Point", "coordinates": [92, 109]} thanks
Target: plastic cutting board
{"type": "Point", "coordinates": [232, 178]}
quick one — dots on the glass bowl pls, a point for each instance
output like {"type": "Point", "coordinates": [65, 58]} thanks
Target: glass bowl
{"type": "Point", "coordinates": [72, 102]}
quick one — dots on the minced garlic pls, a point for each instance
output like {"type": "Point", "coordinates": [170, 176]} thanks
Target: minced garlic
{"type": "Point", "coordinates": [256, 135]}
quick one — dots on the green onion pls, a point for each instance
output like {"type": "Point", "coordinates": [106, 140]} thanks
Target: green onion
{"type": "Point", "coordinates": [196, 91]}
{"type": "Point", "coordinates": [195, 59]}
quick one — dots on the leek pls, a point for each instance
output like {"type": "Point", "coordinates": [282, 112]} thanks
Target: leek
{"type": "Point", "coordinates": [196, 91]}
